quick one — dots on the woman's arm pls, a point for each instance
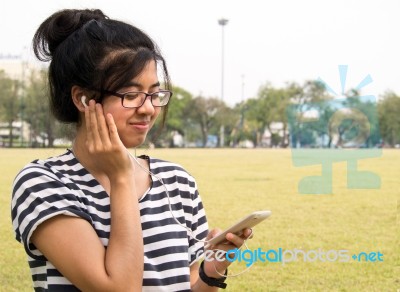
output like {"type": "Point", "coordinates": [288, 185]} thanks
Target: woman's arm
{"type": "Point", "coordinates": [72, 245]}
{"type": "Point", "coordinates": [211, 267]}
{"type": "Point", "coordinates": [196, 283]}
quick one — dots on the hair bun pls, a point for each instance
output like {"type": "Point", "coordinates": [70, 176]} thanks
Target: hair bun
{"type": "Point", "coordinates": [59, 26]}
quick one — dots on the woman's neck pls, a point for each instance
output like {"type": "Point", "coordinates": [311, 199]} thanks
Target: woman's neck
{"type": "Point", "coordinates": [81, 152]}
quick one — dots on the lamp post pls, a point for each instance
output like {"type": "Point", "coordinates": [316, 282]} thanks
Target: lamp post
{"type": "Point", "coordinates": [222, 22]}
{"type": "Point", "coordinates": [22, 93]}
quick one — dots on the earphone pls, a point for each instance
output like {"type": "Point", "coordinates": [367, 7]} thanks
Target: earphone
{"type": "Point", "coordinates": [83, 100]}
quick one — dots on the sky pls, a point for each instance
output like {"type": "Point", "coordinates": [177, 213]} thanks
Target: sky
{"type": "Point", "coordinates": [264, 41]}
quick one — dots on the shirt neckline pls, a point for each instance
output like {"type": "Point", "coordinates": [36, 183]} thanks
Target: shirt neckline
{"type": "Point", "coordinates": [143, 156]}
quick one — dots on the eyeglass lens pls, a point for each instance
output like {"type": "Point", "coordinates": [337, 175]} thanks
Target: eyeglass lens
{"type": "Point", "coordinates": [136, 99]}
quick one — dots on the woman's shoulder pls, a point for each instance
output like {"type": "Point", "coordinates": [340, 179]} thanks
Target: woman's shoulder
{"type": "Point", "coordinates": [48, 165]}
{"type": "Point", "coordinates": [161, 163]}
{"type": "Point", "coordinates": [159, 166]}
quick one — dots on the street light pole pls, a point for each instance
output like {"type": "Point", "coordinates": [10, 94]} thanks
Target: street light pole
{"type": "Point", "coordinates": [22, 88]}
{"type": "Point", "coordinates": [222, 22]}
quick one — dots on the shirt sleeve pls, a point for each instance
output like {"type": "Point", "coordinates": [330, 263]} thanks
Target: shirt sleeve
{"type": "Point", "coordinates": [38, 195]}
{"type": "Point", "coordinates": [199, 228]}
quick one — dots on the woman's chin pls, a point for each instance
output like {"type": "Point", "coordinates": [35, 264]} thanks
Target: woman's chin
{"type": "Point", "coordinates": [133, 143]}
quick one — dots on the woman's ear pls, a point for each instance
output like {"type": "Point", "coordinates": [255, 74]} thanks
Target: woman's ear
{"type": "Point", "coordinates": [79, 98]}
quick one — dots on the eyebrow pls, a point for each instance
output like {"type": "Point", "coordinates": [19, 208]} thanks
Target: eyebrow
{"type": "Point", "coordinates": [134, 84]}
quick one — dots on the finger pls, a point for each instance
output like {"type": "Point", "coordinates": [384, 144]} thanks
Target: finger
{"type": "Point", "coordinates": [251, 235]}
{"type": "Point", "coordinates": [89, 128]}
{"type": "Point", "coordinates": [212, 233]}
{"type": "Point", "coordinates": [87, 121]}
{"type": "Point", "coordinates": [112, 130]}
{"type": "Point", "coordinates": [94, 124]}
{"type": "Point", "coordinates": [102, 126]}
{"type": "Point", "coordinates": [248, 233]}
{"type": "Point", "coordinates": [235, 240]}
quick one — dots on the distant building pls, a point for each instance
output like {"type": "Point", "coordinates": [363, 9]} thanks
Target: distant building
{"type": "Point", "coordinates": [277, 129]}
{"type": "Point", "coordinates": [19, 68]}
{"type": "Point", "coordinates": [21, 134]}
{"type": "Point", "coordinates": [12, 66]}
{"type": "Point", "coordinates": [177, 139]}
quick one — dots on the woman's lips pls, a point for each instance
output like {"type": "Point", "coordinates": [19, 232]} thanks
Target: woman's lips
{"type": "Point", "coordinates": [140, 125]}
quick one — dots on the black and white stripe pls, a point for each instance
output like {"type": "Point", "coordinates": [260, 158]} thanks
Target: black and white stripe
{"type": "Point", "coordinates": [60, 185]}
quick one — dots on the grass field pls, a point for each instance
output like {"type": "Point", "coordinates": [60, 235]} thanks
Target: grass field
{"type": "Point", "coordinates": [235, 182]}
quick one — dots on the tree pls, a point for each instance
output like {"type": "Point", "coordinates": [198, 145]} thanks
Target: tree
{"type": "Point", "coordinates": [389, 118]}
{"type": "Point", "coordinates": [309, 113]}
{"type": "Point", "coordinates": [177, 112]}
{"type": "Point", "coordinates": [259, 116]}
{"type": "Point", "coordinates": [271, 106]}
{"type": "Point", "coordinates": [361, 126]}
{"type": "Point", "coordinates": [176, 120]}
{"type": "Point", "coordinates": [227, 117]}
{"type": "Point", "coordinates": [208, 113]}
{"type": "Point", "coordinates": [9, 107]}
{"type": "Point", "coordinates": [37, 110]}
{"type": "Point", "coordinates": [239, 132]}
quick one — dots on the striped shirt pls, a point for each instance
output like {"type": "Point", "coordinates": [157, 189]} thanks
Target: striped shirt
{"type": "Point", "coordinates": [61, 185]}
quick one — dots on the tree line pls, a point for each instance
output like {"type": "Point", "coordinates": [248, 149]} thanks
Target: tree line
{"type": "Point", "coordinates": [294, 115]}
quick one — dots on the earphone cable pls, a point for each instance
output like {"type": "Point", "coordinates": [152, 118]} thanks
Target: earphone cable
{"type": "Point", "coordinates": [184, 226]}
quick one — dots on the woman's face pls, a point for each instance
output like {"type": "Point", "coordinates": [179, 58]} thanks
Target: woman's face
{"type": "Point", "coordinates": [133, 124]}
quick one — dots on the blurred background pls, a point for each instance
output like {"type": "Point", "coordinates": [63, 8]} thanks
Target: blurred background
{"type": "Point", "coordinates": [274, 77]}
{"type": "Point", "coordinates": [237, 67]}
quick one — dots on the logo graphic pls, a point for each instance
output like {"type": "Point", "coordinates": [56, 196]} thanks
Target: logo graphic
{"type": "Point", "coordinates": [340, 129]}
{"type": "Point", "coordinates": [284, 256]}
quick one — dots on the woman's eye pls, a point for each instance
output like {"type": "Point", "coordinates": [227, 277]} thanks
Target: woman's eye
{"type": "Point", "coordinates": [131, 96]}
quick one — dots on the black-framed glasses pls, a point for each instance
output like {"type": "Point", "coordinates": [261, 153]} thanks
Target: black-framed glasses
{"type": "Point", "coordinates": [135, 99]}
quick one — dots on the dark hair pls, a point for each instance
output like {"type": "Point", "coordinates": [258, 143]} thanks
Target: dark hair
{"type": "Point", "coordinates": [89, 50]}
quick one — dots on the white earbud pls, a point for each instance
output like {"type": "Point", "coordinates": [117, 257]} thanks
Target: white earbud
{"type": "Point", "coordinates": [83, 100]}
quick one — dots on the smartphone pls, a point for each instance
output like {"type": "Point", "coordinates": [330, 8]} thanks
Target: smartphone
{"type": "Point", "coordinates": [247, 222]}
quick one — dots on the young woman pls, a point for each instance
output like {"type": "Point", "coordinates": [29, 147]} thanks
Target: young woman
{"type": "Point", "coordinates": [94, 218]}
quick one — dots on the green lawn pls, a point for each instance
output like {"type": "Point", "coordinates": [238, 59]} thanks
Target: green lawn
{"type": "Point", "coordinates": [234, 182]}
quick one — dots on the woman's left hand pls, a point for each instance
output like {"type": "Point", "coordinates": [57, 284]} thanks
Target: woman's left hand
{"type": "Point", "coordinates": [217, 267]}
